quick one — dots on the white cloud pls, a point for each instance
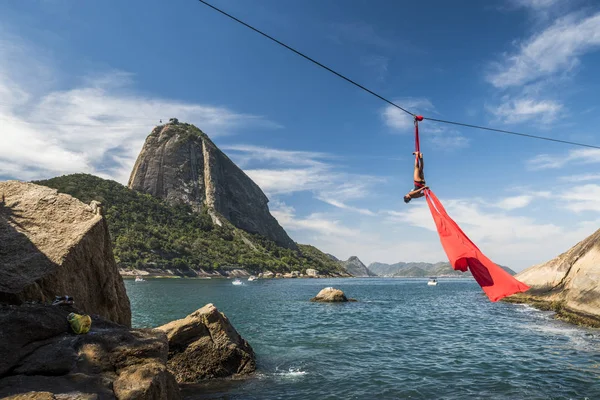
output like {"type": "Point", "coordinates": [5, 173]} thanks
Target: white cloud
{"type": "Point", "coordinates": [97, 127]}
{"type": "Point", "coordinates": [535, 4]}
{"type": "Point", "coordinates": [286, 172]}
{"type": "Point", "coordinates": [580, 178]}
{"type": "Point", "coordinates": [516, 241]}
{"type": "Point", "coordinates": [582, 198]}
{"type": "Point", "coordinates": [523, 109]}
{"type": "Point", "coordinates": [438, 135]}
{"type": "Point", "coordinates": [319, 223]}
{"type": "Point", "coordinates": [398, 119]}
{"type": "Point", "coordinates": [555, 49]}
{"type": "Point", "coordinates": [514, 202]}
{"type": "Point", "coordinates": [339, 204]}
{"type": "Point", "coordinates": [579, 156]}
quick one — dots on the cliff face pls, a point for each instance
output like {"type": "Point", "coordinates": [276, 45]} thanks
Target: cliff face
{"type": "Point", "coordinates": [53, 245]}
{"type": "Point", "coordinates": [573, 277]}
{"type": "Point", "coordinates": [180, 164]}
{"type": "Point", "coordinates": [355, 267]}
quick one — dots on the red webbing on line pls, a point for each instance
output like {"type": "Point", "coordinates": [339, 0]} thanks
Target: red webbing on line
{"type": "Point", "coordinates": [417, 143]}
{"type": "Point", "coordinates": [463, 253]}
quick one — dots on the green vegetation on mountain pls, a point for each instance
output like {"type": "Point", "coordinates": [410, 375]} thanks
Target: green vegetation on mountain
{"type": "Point", "coordinates": [147, 233]}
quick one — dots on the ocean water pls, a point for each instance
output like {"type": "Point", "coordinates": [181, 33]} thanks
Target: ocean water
{"type": "Point", "coordinates": [401, 340]}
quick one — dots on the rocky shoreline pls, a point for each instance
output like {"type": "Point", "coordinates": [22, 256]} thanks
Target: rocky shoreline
{"type": "Point", "coordinates": [562, 312]}
{"type": "Point", "coordinates": [225, 274]}
{"type": "Point", "coordinates": [56, 268]}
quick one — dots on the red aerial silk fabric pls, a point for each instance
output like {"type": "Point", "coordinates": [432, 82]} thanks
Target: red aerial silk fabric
{"type": "Point", "coordinates": [463, 254]}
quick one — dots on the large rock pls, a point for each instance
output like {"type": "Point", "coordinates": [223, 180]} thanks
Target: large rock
{"type": "Point", "coordinates": [313, 273]}
{"type": "Point", "coordinates": [205, 345]}
{"type": "Point", "coordinates": [571, 278]}
{"type": "Point", "coordinates": [53, 244]}
{"type": "Point", "coordinates": [179, 163]}
{"type": "Point", "coordinates": [355, 267]}
{"type": "Point", "coordinates": [40, 358]}
{"type": "Point", "coordinates": [331, 295]}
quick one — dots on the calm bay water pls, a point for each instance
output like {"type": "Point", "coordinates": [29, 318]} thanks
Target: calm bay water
{"type": "Point", "coordinates": [402, 340]}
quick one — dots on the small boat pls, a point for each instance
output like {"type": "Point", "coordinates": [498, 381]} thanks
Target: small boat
{"type": "Point", "coordinates": [432, 282]}
{"type": "Point", "coordinates": [251, 278]}
{"type": "Point", "coordinates": [237, 282]}
{"type": "Point", "coordinates": [139, 279]}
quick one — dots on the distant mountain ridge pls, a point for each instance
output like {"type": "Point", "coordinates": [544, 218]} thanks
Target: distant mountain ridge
{"type": "Point", "coordinates": [420, 269]}
{"type": "Point", "coordinates": [356, 268]}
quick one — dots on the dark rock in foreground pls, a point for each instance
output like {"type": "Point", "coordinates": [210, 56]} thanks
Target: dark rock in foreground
{"type": "Point", "coordinates": [331, 295]}
{"type": "Point", "coordinates": [205, 345]}
{"type": "Point", "coordinates": [41, 358]}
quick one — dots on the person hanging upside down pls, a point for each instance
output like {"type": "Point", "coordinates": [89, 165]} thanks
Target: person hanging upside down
{"type": "Point", "coordinates": [419, 179]}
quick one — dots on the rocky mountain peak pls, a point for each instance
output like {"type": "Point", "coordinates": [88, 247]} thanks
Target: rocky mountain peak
{"type": "Point", "coordinates": [180, 164]}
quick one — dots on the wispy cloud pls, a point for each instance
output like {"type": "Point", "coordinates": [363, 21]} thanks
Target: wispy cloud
{"type": "Point", "coordinates": [580, 178]}
{"type": "Point", "coordinates": [96, 127]}
{"type": "Point", "coordinates": [579, 156]}
{"type": "Point", "coordinates": [515, 202]}
{"type": "Point", "coordinates": [401, 121]}
{"type": "Point", "coordinates": [437, 134]}
{"type": "Point", "coordinates": [378, 64]}
{"type": "Point", "coordinates": [553, 50]}
{"type": "Point", "coordinates": [535, 4]}
{"type": "Point", "coordinates": [286, 172]}
{"type": "Point", "coordinates": [321, 224]}
{"type": "Point", "coordinates": [523, 109]}
{"type": "Point", "coordinates": [362, 33]}
{"type": "Point", "coordinates": [582, 198]}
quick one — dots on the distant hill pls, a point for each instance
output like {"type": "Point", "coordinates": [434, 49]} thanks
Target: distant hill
{"type": "Point", "coordinates": [355, 267]}
{"type": "Point", "coordinates": [420, 269]}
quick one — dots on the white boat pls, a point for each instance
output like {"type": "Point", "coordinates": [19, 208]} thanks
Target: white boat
{"type": "Point", "coordinates": [432, 282]}
{"type": "Point", "coordinates": [252, 278]}
{"type": "Point", "coordinates": [237, 282]}
{"type": "Point", "coordinates": [139, 279]}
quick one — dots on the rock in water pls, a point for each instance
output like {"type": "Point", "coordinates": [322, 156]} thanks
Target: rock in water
{"type": "Point", "coordinates": [331, 295]}
{"type": "Point", "coordinates": [180, 164]}
{"type": "Point", "coordinates": [205, 345]}
{"type": "Point", "coordinates": [571, 278]}
{"type": "Point", "coordinates": [41, 359]}
{"type": "Point", "coordinates": [355, 267]}
{"type": "Point", "coordinates": [53, 245]}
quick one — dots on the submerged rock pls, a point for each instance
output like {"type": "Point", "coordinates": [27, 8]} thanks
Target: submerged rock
{"type": "Point", "coordinates": [331, 295]}
{"type": "Point", "coordinates": [40, 358]}
{"type": "Point", "coordinates": [53, 245]}
{"type": "Point", "coordinates": [205, 345]}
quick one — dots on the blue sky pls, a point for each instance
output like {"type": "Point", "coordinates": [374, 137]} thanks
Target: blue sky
{"type": "Point", "coordinates": [83, 83]}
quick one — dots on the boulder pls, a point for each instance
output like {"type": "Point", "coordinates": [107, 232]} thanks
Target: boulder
{"type": "Point", "coordinates": [312, 273]}
{"type": "Point", "coordinates": [53, 245]}
{"type": "Point", "coordinates": [40, 358]}
{"type": "Point", "coordinates": [267, 274]}
{"type": "Point", "coordinates": [570, 280]}
{"type": "Point", "coordinates": [205, 345]}
{"type": "Point", "coordinates": [331, 295]}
